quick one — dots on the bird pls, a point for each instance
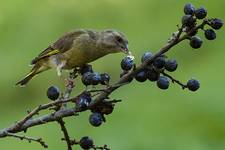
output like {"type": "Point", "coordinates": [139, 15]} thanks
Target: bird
{"type": "Point", "coordinates": [77, 48]}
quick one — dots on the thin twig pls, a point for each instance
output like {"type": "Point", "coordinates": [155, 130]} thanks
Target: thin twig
{"type": "Point", "coordinates": [105, 147]}
{"type": "Point", "coordinates": [39, 108]}
{"type": "Point", "coordinates": [29, 139]}
{"type": "Point", "coordinates": [65, 132]}
{"type": "Point", "coordinates": [174, 80]}
{"type": "Point", "coordinates": [72, 141]}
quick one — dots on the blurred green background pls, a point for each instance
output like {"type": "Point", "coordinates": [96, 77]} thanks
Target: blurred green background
{"type": "Point", "coordinates": [148, 118]}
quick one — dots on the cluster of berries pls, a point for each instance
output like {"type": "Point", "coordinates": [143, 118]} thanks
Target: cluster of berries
{"type": "Point", "coordinates": [93, 78]}
{"type": "Point", "coordinates": [189, 21]}
{"type": "Point", "coordinates": [96, 118]}
{"type": "Point", "coordinates": [155, 71]}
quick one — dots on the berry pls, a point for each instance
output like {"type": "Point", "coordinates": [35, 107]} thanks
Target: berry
{"type": "Point", "coordinates": [104, 107]}
{"type": "Point", "coordinates": [146, 56]}
{"type": "Point", "coordinates": [152, 75]}
{"type": "Point", "coordinates": [95, 78]}
{"type": "Point", "coordinates": [86, 143]}
{"type": "Point", "coordinates": [193, 85]}
{"type": "Point", "coordinates": [216, 24]}
{"type": "Point", "coordinates": [195, 42]}
{"type": "Point", "coordinates": [87, 78]}
{"type": "Point", "coordinates": [53, 93]}
{"type": "Point", "coordinates": [189, 9]}
{"type": "Point", "coordinates": [141, 76]}
{"type": "Point", "coordinates": [105, 79]}
{"type": "Point", "coordinates": [159, 62]}
{"type": "Point", "coordinates": [83, 100]}
{"type": "Point", "coordinates": [127, 63]}
{"type": "Point", "coordinates": [201, 13]}
{"type": "Point", "coordinates": [190, 32]}
{"type": "Point", "coordinates": [96, 119]}
{"type": "Point", "coordinates": [210, 34]}
{"type": "Point", "coordinates": [171, 65]}
{"type": "Point", "coordinates": [188, 20]}
{"type": "Point", "coordinates": [85, 69]}
{"type": "Point", "coordinates": [163, 83]}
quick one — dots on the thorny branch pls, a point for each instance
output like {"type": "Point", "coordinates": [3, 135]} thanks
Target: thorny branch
{"type": "Point", "coordinates": [29, 121]}
{"type": "Point", "coordinates": [29, 139]}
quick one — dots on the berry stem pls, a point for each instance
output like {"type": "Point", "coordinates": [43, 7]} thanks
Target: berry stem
{"type": "Point", "coordinates": [174, 80]}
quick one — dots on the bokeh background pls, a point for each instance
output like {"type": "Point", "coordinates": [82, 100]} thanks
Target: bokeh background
{"type": "Point", "coordinates": [148, 118]}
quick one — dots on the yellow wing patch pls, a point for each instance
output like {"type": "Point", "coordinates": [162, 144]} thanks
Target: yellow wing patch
{"type": "Point", "coordinates": [50, 53]}
{"type": "Point", "coordinates": [53, 52]}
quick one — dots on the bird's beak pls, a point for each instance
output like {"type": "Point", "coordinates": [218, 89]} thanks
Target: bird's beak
{"type": "Point", "coordinates": [125, 49]}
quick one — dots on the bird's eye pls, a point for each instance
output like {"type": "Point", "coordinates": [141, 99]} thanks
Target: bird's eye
{"type": "Point", "coordinates": [119, 39]}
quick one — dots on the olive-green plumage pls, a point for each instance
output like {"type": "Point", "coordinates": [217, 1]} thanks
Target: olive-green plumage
{"type": "Point", "coordinates": [77, 48]}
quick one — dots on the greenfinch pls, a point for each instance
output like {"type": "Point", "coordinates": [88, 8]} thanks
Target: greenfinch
{"type": "Point", "coordinates": [76, 49]}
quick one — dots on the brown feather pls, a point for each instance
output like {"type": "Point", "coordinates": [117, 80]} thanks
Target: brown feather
{"type": "Point", "coordinates": [63, 44]}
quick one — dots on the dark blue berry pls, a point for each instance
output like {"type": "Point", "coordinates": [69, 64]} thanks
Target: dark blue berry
{"type": "Point", "coordinates": [189, 9]}
{"type": "Point", "coordinates": [159, 62]}
{"type": "Point", "coordinates": [193, 85]}
{"type": "Point", "coordinates": [152, 75]}
{"type": "Point", "coordinates": [195, 42]}
{"type": "Point", "coordinates": [105, 78]}
{"type": "Point", "coordinates": [53, 92]}
{"type": "Point", "coordinates": [216, 24]}
{"type": "Point", "coordinates": [83, 100]}
{"type": "Point", "coordinates": [171, 65]}
{"type": "Point", "coordinates": [85, 69]}
{"type": "Point", "coordinates": [146, 56]}
{"type": "Point", "coordinates": [87, 78]}
{"type": "Point", "coordinates": [190, 31]}
{"type": "Point", "coordinates": [201, 13]}
{"type": "Point", "coordinates": [96, 79]}
{"type": "Point", "coordinates": [163, 83]}
{"type": "Point", "coordinates": [210, 34]}
{"type": "Point", "coordinates": [141, 76]}
{"type": "Point", "coordinates": [127, 63]}
{"type": "Point", "coordinates": [96, 119]}
{"type": "Point", "coordinates": [188, 20]}
{"type": "Point", "coordinates": [86, 143]}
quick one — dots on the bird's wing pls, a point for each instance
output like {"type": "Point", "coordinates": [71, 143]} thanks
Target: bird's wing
{"type": "Point", "coordinates": [63, 44]}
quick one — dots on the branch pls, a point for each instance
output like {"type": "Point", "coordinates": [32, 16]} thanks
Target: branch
{"type": "Point", "coordinates": [29, 139]}
{"type": "Point", "coordinates": [65, 132]}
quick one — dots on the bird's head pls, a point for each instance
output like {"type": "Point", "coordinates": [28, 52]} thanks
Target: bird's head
{"type": "Point", "coordinates": [114, 41]}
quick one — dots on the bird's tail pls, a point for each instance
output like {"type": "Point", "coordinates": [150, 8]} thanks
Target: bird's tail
{"type": "Point", "coordinates": [29, 76]}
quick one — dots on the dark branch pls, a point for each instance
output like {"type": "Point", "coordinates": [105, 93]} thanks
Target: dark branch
{"type": "Point", "coordinates": [29, 139]}
{"type": "Point", "coordinates": [66, 134]}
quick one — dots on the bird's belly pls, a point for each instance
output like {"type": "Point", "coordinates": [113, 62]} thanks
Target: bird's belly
{"type": "Point", "coordinates": [78, 58]}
